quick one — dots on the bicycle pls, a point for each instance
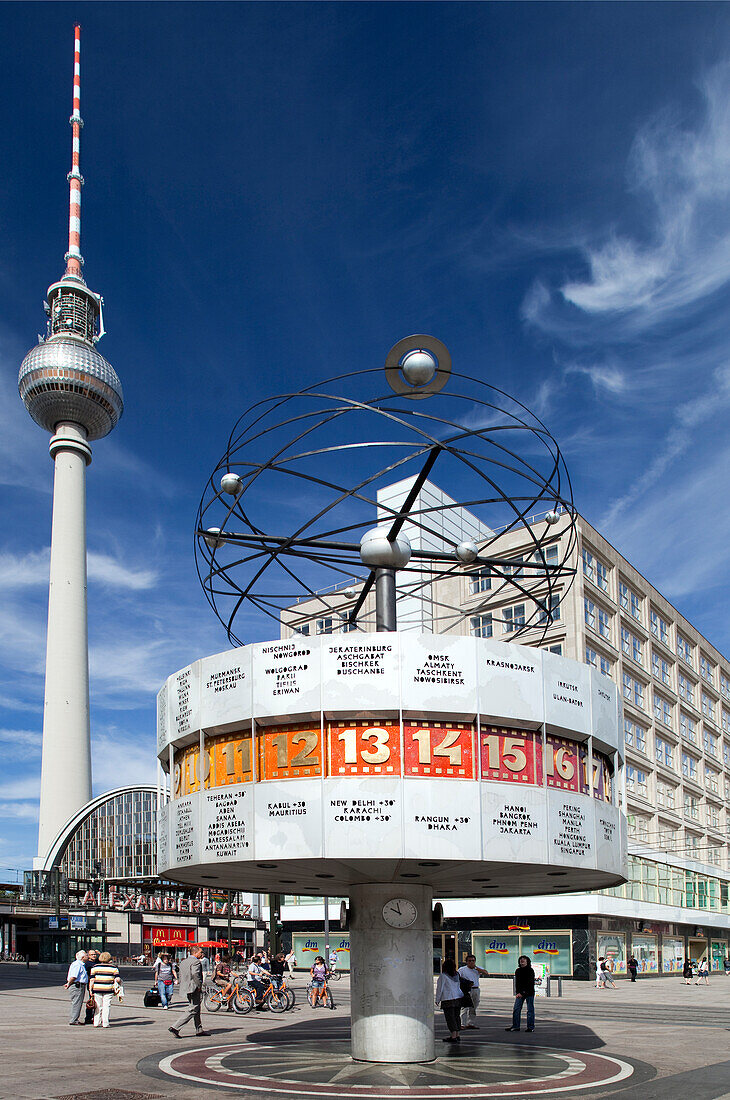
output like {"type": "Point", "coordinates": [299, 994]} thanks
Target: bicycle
{"type": "Point", "coordinates": [236, 998]}
{"type": "Point", "coordinates": [320, 996]}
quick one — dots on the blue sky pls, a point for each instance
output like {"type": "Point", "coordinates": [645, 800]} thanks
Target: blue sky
{"type": "Point", "coordinates": [274, 191]}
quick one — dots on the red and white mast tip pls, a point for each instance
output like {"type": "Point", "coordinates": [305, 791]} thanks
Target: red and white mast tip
{"type": "Point", "coordinates": [74, 259]}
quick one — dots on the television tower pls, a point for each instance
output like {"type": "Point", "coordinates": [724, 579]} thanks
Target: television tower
{"type": "Point", "coordinates": [71, 391]}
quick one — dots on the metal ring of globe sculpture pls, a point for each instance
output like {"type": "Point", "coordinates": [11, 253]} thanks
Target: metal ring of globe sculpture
{"type": "Point", "coordinates": [380, 759]}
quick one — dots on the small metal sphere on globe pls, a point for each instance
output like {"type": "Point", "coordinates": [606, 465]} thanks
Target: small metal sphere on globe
{"type": "Point", "coordinates": [232, 484]}
{"type": "Point", "coordinates": [211, 538]}
{"type": "Point", "coordinates": [467, 552]}
{"type": "Point", "coordinates": [419, 367]}
{"type": "Point", "coordinates": [552, 517]}
{"type": "Point", "coordinates": [379, 553]}
{"type": "Point", "coordinates": [66, 379]}
{"type": "Point", "coordinates": [349, 593]}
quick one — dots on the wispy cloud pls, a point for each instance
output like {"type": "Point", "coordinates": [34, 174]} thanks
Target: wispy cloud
{"type": "Point", "coordinates": [120, 758]}
{"type": "Point", "coordinates": [680, 178]}
{"type": "Point", "coordinates": [26, 739]}
{"type": "Point", "coordinates": [31, 571]}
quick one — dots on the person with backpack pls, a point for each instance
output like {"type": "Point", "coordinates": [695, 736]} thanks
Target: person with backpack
{"type": "Point", "coordinates": [633, 965]}
{"type": "Point", "coordinates": [607, 975]}
{"type": "Point", "coordinates": [525, 989]}
{"type": "Point", "coordinates": [687, 972]}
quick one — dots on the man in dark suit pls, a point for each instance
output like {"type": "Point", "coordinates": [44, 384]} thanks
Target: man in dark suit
{"type": "Point", "coordinates": [191, 985]}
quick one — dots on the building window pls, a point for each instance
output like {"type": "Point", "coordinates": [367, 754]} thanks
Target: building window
{"type": "Point", "coordinates": [481, 626]}
{"type": "Point", "coordinates": [605, 665]}
{"type": "Point", "coordinates": [628, 731]}
{"type": "Point", "coordinates": [725, 720]}
{"type": "Point", "coordinates": [480, 581]}
{"type": "Point", "coordinates": [632, 646]}
{"type": "Point", "coordinates": [707, 671]}
{"type": "Point", "coordinates": [633, 690]}
{"type": "Point", "coordinates": [708, 707]}
{"type": "Point", "coordinates": [636, 606]}
{"type": "Point", "coordinates": [659, 627]}
{"type": "Point", "coordinates": [660, 668]}
{"type": "Point", "coordinates": [588, 565]}
{"type": "Point", "coordinates": [640, 738]}
{"type": "Point", "coordinates": [663, 752]}
{"type": "Point", "coordinates": [724, 685]}
{"type": "Point", "coordinates": [589, 611]}
{"type": "Point", "coordinates": [641, 787]}
{"type": "Point", "coordinates": [686, 689]}
{"type": "Point", "coordinates": [601, 576]}
{"type": "Point", "coordinates": [684, 649]}
{"type": "Point", "coordinates": [662, 710]}
{"type": "Point", "coordinates": [514, 568]}
{"type": "Point", "coordinates": [591, 657]}
{"type": "Point", "coordinates": [604, 626]}
{"type": "Point", "coordinates": [691, 807]}
{"type": "Point", "coordinates": [557, 648]}
{"type": "Point", "coordinates": [514, 618]}
{"type": "Point", "coordinates": [303, 628]}
{"type": "Point", "coordinates": [551, 614]}
{"type": "Point", "coordinates": [623, 595]}
{"type": "Point", "coordinates": [713, 854]}
{"type": "Point", "coordinates": [630, 777]}
{"type": "Point", "coordinates": [709, 742]}
{"type": "Point", "coordinates": [688, 728]}
{"type": "Point", "coordinates": [713, 816]}
{"type": "Point", "coordinates": [711, 779]}
{"type": "Point", "coordinates": [726, 754]}
{"type": "Point", "coordinates": [689, 766]}
{"type": "Point", "coordinates": [326, 626]}
{"type": "Point", "coordinates": [665, 796]}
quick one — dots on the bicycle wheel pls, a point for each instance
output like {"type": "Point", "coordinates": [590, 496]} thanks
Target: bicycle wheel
{"type": "Point", "coordinates": [211, 999]}
{"type": "Point", "coordinates": [276, 1001]}
{"type": "Point", "coordinates": [329, 999]}
{"type": "Point", "coordinates": [335, 976]}
{"type": "Point", "coordinates": [242, 1000]}
{"type": "Point", "coordinates": [291, 999]}
{"type": "Point", "coordinates": [312, 996]}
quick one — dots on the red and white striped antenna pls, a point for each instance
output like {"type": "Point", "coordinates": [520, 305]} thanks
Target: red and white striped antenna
{"type": "Point", "coordinates": [73, 257]}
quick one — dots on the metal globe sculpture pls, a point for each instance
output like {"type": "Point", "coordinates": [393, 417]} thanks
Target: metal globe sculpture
{"type": "Point", "coordinates": [288, 512]}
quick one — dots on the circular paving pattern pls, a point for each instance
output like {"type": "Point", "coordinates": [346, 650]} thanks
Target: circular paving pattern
{"type": "Point", "coordinates": [325, 1069]}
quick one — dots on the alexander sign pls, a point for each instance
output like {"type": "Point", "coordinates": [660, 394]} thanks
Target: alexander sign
{"type": "Point", "coordinates": [120, 900]}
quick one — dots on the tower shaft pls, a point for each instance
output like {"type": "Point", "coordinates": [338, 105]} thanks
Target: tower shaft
{"type": "Point", "coordinates": [66, 760]}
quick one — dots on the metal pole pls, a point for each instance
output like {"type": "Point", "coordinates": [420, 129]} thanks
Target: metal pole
{"type": "Point", "coordinates": [230, 935]}
{"type": "Point", "coordinates": [273, 921]}
{"type": "Point", "coordinates": [327, 932]}
{"type": "Point", "coordinates": [385, 614]}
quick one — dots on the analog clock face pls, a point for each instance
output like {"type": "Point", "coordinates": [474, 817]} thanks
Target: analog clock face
{"type": "Point", "coordinates": [399, 913]}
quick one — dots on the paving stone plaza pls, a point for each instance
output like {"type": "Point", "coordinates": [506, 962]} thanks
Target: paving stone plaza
{"type": "Point", "coordinates": [654, 1040]}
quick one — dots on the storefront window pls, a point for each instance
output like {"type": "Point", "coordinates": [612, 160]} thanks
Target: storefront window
{"type": "Point", "coordinates": [672, 956]}
{"type": "Point", "coordinates": [718, 951]}
{"type": "Point", "coordinates": [551, 948]}
{"type": "Point", "coordinates": [647, 953]}
{"type": "Point", "coordinates": [496, 952]}
{"type": "Point", "coordinates": [308, 945]}
{"type": "Point", "coordinates": [613, 946]}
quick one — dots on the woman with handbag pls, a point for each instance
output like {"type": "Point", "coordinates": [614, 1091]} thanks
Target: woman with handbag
{"type": "Point", "coordinates": [105, 981]}
{"type": "Point", "coordinates": [166, 980]}
{"type": "Point", "coordinates": [449, 996]}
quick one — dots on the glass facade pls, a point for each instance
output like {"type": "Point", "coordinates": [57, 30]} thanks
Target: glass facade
{"type": "Point", "coordinates": [660, 884]}
{"type": "Point", "coordinates": [117, 840]}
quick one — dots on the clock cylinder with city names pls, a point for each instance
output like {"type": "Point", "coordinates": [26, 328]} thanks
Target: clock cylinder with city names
{"type": "Point", "coordinates": [475, 766]}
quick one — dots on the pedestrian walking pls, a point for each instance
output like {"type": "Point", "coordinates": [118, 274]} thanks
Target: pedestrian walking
{"type": "Point", "coordinates": [166, 980]}
{"type": "Point", "coordinates": [687, 972]}
{"type": "Point", "coordinates": [104, 984]}
{"type": "Point", "coordinates": [291, 962]}
{"type": "Point", "coordinates": [449, 995]}
{"type": "Point", "coordinates": [726, 965]}
{"type": "Point", "coordinates": [470, 972]}
{"type": "Point", "coordinates": [191, 984]}
{"type": "Point", "coordinates": [333, 961]}
{"type": "Point", "coordinates": [525, 988]}
{"type": "Point", "coordinates": [77, 982]}
{"type": "Point", "coordinates": [607, 975]}
{"type": "Point", "coordinates": [600, 975]}
{"type": "Point", "coordinates": [703, 972]}
{"type": "Point", "coordinates": [633, 965]}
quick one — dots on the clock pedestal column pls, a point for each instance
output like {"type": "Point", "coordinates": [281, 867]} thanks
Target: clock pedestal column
{"type": "Point", "coordinates": [391, 973]}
